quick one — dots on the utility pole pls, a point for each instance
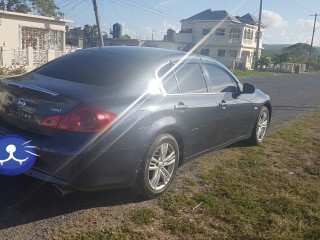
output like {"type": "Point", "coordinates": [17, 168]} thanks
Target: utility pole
{"type": "Point", "coordinates": [95, 7]}
{"type": "Point", "coordinates": [258, 38]}
{"type": "Point", "coordinates": [314, 29]}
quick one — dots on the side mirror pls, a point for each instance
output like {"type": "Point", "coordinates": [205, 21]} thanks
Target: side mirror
{"type": "Point", "coordinates": [248, 88]}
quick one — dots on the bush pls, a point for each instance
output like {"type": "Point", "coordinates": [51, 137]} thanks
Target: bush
{"type": "Point", "coordinates": [11, 71]}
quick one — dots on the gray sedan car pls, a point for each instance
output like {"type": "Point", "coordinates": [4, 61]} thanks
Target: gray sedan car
{"type": "Point", "coordinates": [128, 116]}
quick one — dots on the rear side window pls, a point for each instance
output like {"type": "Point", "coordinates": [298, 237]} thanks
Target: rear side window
{"type": "Point", "coordinates": [220, 80]}
{"type": "Point", "coordinates": [190, 78]}
{"type": "Point", "coordinates": [169, 81]}
{"type": "Point", "coordinates": [95, 68]}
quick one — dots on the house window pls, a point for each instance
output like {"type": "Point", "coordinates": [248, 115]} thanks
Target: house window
{"type": "Point", "coordinates": [187, 30]}
{"type": "Point", "coordinates": [221, 53]}
{"type": "Point", "coordinates": [41, 39]}
{"type": "Point", "coordinates": [220, 31]}
{"type": "Point", "coordinates": [205, 52]}
{"type": "Point", "coordinates": [234, 33]}
{"type": "Point", "coordinates": [206, 31]}
{"type": "Point", "coordinates": [93, 44]}
{"type": "Point", "coordinates": [233, 53]}
{"type": "Point", "coordinates": [248, 34]}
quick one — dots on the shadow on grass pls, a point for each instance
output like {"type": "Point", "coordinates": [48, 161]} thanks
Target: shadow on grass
{"type": "Point", "coordinates": [25, 200]}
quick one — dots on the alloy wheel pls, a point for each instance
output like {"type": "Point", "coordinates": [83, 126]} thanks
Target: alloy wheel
{"type": "Point", "coordinates": [162, 166]}
{"type": "Point", "coordinates": [262, 126]}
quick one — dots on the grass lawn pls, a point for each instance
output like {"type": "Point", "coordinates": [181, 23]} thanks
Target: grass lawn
{"type": "Point", "coordinates": [268, 192]}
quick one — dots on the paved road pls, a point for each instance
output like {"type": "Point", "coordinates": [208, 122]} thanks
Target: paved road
{"type": "Point", "coordinates": [31, 210]}
{"type": "Point", "coordinates": [292, 95]}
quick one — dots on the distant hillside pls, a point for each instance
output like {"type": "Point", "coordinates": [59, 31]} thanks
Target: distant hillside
{"type": "Point", "coordinates": [270, 49]}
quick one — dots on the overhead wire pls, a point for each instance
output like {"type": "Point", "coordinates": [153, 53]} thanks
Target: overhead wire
{"type": "Point", "coordinates": [139, 7]}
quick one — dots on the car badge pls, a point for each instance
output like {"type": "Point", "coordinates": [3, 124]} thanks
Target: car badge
{"type": "Point", "coordinates": [22, 103]}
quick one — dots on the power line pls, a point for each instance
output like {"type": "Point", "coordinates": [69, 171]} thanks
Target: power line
{"type": "Point", "coordinates": [146, 10]}
{"type": "Point", "coordinates": [300, 6]}
{"type": "Point", "coordinates": [79, 12]}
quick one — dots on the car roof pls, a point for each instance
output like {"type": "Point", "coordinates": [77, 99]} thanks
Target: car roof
{"type": "Point", "coordinates": [146, 53]}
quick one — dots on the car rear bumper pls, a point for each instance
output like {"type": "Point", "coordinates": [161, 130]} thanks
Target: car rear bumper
{"type": "Point", "coordinates": [111, 169]}
{"type": "Point", "coordinates": [80, 161]}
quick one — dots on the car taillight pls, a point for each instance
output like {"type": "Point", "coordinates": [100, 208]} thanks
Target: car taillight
{"type": "Point", "coordinates": [81, 119]}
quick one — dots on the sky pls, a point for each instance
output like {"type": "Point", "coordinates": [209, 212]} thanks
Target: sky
{"type": "Point", "coordinates": [288, 21]}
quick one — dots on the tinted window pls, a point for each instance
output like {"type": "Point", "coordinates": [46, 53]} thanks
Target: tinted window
{"type": "Point", "coordinates": [168, 79]}
{"type": "Point", "coordinates": [96, 68]}
{"type": "Point", "coordinates": [190, 78]}
{"type": "Point", "coordinates": [220, 80]}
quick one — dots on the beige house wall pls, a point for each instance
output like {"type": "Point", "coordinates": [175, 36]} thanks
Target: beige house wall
{"type": "Point", "coordinates": [11, 24]}
{"type": "Point", "coordinates": [44, 40]}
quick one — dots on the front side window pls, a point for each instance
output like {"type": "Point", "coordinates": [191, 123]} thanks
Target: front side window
{"type": "Point", "coordinates": [168, 79]}
{"type": "Point", "coordinates": [220, 80]}
{"type": "Point", "coordinates": [190, 78]}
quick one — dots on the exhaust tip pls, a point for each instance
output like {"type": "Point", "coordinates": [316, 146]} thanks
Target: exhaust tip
{"type": "Point", "coordinates": [62, 191]}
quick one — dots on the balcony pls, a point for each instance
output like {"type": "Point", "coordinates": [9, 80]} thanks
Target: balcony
{"type": "Point", "coordinates": [222, 40]}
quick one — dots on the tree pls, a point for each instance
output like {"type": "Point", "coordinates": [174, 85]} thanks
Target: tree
{"type": "Point", "coordinates": [281, 58]}
{"type": "Point", "coordinates": [46, 8]}
{"type": "Point", "coordinates": [263, 61]}
{"type": "Point", "coordinates": [90, 31]}
{"type": "Point", "coordinates": [126, 36]}
{"type": "Point", "coordinates": [15, 6]}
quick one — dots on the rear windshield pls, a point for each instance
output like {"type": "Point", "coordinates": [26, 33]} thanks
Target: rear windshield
{"type": "Point", "coordinates": [95, 68]}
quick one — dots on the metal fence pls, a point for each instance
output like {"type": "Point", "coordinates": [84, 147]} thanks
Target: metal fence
{"type": "Point", "coordinates": [28, 58]}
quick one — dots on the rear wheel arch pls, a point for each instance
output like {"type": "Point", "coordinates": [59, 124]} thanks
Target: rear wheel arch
{"type": "Point", "coordinates": [268, 106]}
{"type": "Point", "coordinates": [181, 143]}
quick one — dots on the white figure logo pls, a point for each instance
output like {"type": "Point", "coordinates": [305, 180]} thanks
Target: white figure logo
{"type": "Point", "coordinates": [11, 149]}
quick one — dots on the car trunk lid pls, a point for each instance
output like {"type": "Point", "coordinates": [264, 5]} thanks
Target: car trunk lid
{"type": "Point", "coordinates": [27, 99]}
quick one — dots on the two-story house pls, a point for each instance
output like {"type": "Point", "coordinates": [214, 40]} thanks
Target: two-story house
{"type": "Point", "coordinates": [230, 39]}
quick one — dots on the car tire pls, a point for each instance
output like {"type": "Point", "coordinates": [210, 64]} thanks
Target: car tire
{"type": "Point", "coordinates": [261, 127]}
{"type": "Point", "coordinates": [159, 167]}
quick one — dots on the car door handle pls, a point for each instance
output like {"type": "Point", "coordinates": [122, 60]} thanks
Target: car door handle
{"type": "Point", "coordinates": [180, 106]}
{"type": "Point", "coordinates": [223, 103]}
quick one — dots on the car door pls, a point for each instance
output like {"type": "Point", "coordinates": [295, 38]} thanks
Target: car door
{"type": "Point", "coordinates": [234, 111]}
{"type": "Point", "coordinates": [192, 106]}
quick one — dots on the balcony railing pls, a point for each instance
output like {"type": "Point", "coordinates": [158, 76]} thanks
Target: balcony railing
{"type": "Point", "coordinates": [28, 58]}
{"type": "Point", "coordinates": [247, 41]}
{"type": "Point", "coordinates": [19, 57]}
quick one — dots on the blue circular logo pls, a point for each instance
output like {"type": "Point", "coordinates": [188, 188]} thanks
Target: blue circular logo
{"type": "Point", "coordinates": [17, 155]}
